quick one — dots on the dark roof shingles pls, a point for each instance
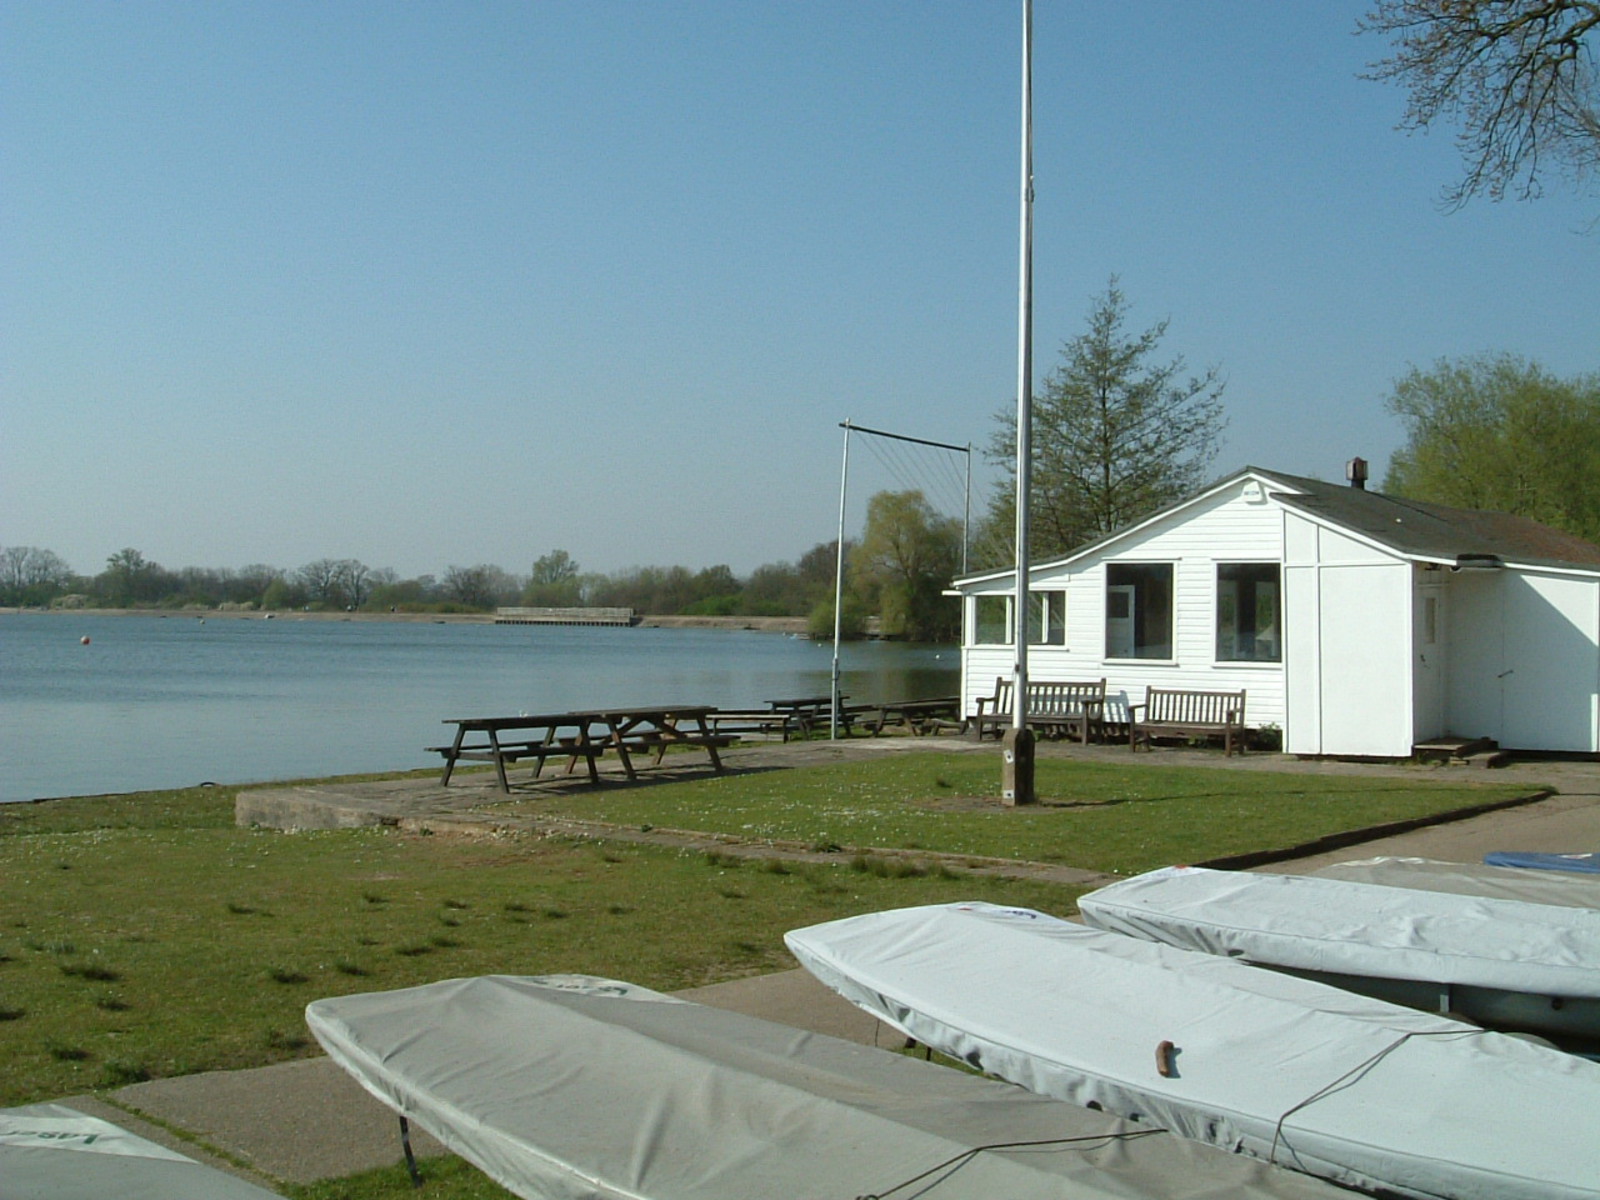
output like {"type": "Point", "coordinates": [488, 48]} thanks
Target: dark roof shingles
{"type": "Point", "coordinates": [1414, 527]}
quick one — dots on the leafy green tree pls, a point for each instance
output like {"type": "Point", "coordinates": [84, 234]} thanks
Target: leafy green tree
{"type": "Point", "coordinates": [1498, 432]}
{"type": "Point", "coordinates": [852, 620]}
{"type": "Point", "coordinates": [554, 582]}
{"type": "Point", "coordinates": [1520, 75]}
{"type": "Point", "coordinates": [906, 559]}
{"type": "Point", "coordinates": [129, 579]}
{"type": "Point", "coordinates": [281, 593]}
{"type": "Point", "coordinates": [1115, 437]}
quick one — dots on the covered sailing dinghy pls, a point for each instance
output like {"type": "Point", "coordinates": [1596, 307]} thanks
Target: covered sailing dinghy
{"type": "Point", "coordinates": [562, 1087]}
{"type": "Point", "coordinates": [1334, 1084]}
{"type": "Point", "coordinates": [53, 1152]}
{"type": "Point", "coordinates": [1564, 889]}
{"type": "Point", "coordinates": [1507, 964]}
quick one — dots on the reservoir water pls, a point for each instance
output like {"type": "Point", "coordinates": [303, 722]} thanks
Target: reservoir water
{"type": "Point", "coordinates": [155, 702]}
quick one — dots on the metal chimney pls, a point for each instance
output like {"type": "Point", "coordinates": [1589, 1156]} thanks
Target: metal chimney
{"type": "Point", "coordinates": [1356, 472]}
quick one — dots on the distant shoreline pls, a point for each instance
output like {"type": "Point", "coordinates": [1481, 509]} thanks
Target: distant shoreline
{"type": "Point", "coordinates": [758, 624]}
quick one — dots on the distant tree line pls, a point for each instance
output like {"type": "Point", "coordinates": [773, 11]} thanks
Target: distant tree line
{"type": "Point", "coordinates": [900, 569]}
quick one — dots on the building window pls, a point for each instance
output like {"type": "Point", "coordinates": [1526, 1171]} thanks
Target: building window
{"type": "Point", "coordinates": [1138, 610]}
{"type": "Point", "coordinates": [1047, 619]}
{"type": "Point", "coordinates": [991, 624]}
{"type": "Point", "coordinates": [1249, 613]}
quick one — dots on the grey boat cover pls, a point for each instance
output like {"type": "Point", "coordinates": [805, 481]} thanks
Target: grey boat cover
{"type": "Point", "coordinates": [561, 1087]}
{"type": "Point", "coordinates": [52, 1152]}
{"type": "Point", "coordinates": [1328, 925]}
{"type": "Point", "coordinates": [1470, 879]}
{"type": "Point", "coordinates": [1335, 1084]}
{"type": "Point", "coordinates": [1587, 864]}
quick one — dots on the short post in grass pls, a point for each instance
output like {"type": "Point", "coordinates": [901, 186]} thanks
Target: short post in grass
{"type": "Point", "coordinates": [1016, 767]}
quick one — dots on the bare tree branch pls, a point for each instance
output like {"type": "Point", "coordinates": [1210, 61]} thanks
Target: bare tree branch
{"type": "Point", "coordinates": [1516, 75]}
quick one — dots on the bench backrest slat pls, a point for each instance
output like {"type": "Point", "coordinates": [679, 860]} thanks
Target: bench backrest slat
{"type": "Point", "coordinates": [1052, 698]}
{"type": "Point", "coordinates": [1193, 708]}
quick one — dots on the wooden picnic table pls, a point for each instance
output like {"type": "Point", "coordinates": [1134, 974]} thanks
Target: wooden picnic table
{"type": "Point", "coordinates": [580, 735]}
{"type": "Point", "coordinates": [809, 711]}
{"type": "Point", "coordinates": [920, 716]}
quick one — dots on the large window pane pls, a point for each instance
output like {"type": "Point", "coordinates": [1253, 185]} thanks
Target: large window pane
{"type": "Point", "coordinates": [992, 626]}
{"type": "Point", "coordinates": [1139, 610]}
{"type": "Point", "coordinates": [1249, 613]}
{"type": "Point", "coordinates": [1047, 619]}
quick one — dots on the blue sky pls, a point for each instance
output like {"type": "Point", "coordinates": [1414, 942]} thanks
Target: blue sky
{"type": "Point", "coordinates": [440, 284]}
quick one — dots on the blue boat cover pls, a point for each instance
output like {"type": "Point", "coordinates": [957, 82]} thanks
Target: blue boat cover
{"type": "Point", "coordinates": [1585, 864]}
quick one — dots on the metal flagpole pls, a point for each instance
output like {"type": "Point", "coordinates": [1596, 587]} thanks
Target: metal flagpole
{"type": "Point", "coordinates": [966, 513]}
{"type": "Point", "coordinates": [838, 585]}
{"type": "Point", "coordinates": [1016, 784]}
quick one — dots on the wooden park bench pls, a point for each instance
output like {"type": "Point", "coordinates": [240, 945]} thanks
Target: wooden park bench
{"type": "Point", "coordinates": [1171, 712]}
{"type": "Point", "coordinates": [1056, 708]}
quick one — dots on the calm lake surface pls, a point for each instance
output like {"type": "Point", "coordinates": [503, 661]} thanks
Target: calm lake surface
{"type": "Point", "coordinates": [155, 702]}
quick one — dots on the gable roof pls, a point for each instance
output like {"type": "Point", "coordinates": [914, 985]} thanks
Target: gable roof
{"type": "Point", "coordinates": [1411, 529]}
{"type": "Point", "coordinates": [1417, 529]}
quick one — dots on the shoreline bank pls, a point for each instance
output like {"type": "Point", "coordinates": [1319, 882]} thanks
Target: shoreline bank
{"type": "Point", "coordinates": [758, 624]}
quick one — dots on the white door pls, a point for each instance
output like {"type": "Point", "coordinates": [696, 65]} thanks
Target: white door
{"type": "Point", "coordinates": [1119, 620]}
{"type": "Point", "coordinates": [1429, 656]}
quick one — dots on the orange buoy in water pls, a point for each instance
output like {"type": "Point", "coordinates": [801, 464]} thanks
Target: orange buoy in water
{"type": "Point", "coordinates": [84, 640]}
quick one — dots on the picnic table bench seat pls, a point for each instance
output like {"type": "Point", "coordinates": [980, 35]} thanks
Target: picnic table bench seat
{"type": "Point", "coordinates": [657, 742]}
{"type": "Point", "coordinates": [1057, 708]}
{"type": "Point", "coordinates": [736, 721]}
{"type": "Point", "coordinates": [816, 712]}
{"type": "Point", "coordinates": [503, 753]}
{"type": "Point", "coordinates": [1177, 712]}
{"type": "Point", "coordinates": [919, 716]}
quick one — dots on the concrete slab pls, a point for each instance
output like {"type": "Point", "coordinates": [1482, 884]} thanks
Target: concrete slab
{"type": "Point", "coordinates": [161, 1135]}
{"type": "Point", "coordinates": [296, 1122]}
{"type": "Point", "coordinates": [1561, 824]}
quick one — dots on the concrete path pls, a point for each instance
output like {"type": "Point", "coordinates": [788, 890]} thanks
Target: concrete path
{"type": "Point", "coordinates": [303, 1121]}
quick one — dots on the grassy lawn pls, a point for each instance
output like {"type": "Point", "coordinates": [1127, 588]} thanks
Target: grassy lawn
{"type": "Point", "coordinates": [130, 952]}
{"type": "Point", "coordinates": [145, 936]}
{"type": "Point", "coordinates": [1122, 819]}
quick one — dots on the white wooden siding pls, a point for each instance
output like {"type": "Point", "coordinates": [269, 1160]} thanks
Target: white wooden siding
{"type": "Point", "coordinates": [1349, 624]}
{"type": "Point", "coordinates": [1525, 666]}
{"type": "Point", "coordinates": [1226, 528]}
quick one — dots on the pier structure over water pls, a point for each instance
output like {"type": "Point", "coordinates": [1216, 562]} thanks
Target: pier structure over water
{"type": "Point", "coordinates": [565, 616]}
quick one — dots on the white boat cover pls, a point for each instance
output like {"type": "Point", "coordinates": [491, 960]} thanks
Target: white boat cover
{"type": "Point", "coordinates": [52, 1152]}
{"type": "Point", "coordinates": [1328, 925]}
{"type": "Point", "coordinates": [1335, 1084]}
{"type": "Point", "coordinates": [1471, 879]}
{"type": "Point", "coordinates": [561, 1087]}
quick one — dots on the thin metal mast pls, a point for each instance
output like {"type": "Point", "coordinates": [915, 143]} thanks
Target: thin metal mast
{"type": "Point", "coordinates": [838, 577]}
{"type": "Point", "coordinates": [838, 584]}
{"type": "Point", "coordinates": [1019, 621]}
